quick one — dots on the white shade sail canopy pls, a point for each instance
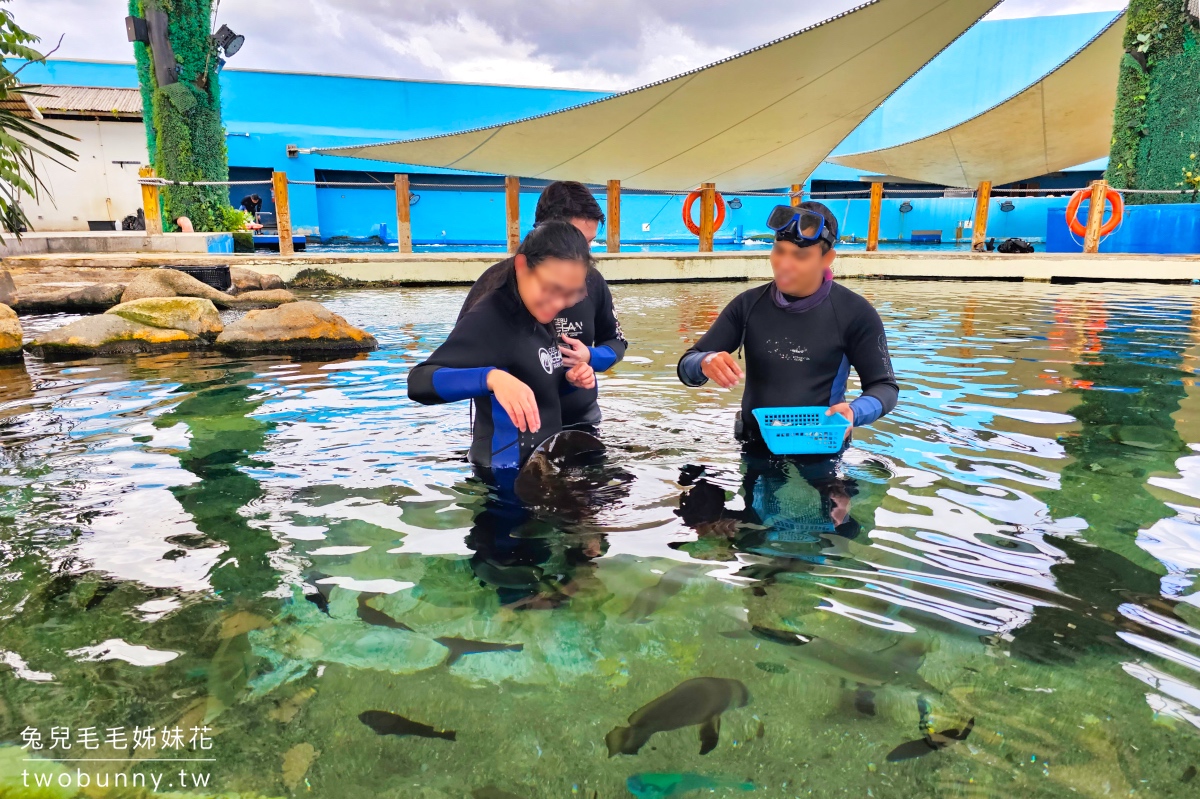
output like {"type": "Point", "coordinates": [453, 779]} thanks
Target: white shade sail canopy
{"type": "Point", "coordinates": [1063, 120]}
{"type": "Point", "coordinates": [761, 119]}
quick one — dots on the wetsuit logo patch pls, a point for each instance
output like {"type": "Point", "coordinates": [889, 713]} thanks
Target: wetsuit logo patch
{"type": "Point", "coordinates": [548, 360]}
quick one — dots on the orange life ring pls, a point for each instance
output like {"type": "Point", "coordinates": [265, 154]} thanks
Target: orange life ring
{"type": "Point", "coordinates": [1111, 195]}
{"type": "Point", "coordinates": [687, 212]}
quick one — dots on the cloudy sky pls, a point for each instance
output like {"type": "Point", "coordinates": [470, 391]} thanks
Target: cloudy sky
{"type": "Point", "coordinates": [595, 44]}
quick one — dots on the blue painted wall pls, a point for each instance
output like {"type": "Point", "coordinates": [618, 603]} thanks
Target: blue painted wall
{"type": "Point", "coordinates": [266, 111]}
{"type": "Point", "coordinates": [477, 217]}
{"type": "Point", "coordinates": [1157, 229]}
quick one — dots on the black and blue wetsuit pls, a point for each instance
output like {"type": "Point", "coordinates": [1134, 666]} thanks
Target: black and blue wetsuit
{"type": "Point", "coordinates": [498, 332]}
{"type": "Point", "coordinates": [801, 358]}
{"type": "Point", "coordinates": [593, 321]}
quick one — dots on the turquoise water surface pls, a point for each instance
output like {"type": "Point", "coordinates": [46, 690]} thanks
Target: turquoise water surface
{"type": "Point", "coordinates": [993, 595]}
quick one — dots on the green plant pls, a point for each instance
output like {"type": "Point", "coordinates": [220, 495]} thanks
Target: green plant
{"type": "Point", "coordinates": [1156, 125]}
{"type": "Point", "coordinates": [233, 219]}
{"type": "Point", "coordinates": [184, 133]}
{"type": "Point", "coordinates": [23, 141]}
{"type": "Point", "coordinates": [1191, 178]}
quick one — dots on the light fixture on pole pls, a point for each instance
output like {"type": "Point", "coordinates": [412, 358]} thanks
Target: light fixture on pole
{"type": "Point", "coordinates": [228, 41]}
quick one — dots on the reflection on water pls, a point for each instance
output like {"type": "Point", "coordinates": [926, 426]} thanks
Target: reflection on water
{"type": "Point", "coordinates": [294, 556]}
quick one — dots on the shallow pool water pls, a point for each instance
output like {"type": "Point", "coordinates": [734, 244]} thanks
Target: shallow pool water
{"type": "Point", "coordinates": [993, 595]}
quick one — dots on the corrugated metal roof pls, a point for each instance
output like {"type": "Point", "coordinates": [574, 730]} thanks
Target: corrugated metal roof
{"type": "Point", "coordinates": [89, 101]}
{"type": "Point", "coordinates": [19, 104]}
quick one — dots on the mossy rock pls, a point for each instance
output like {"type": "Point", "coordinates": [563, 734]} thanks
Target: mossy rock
{"type": "Point", "coordinates": [294, 327]}
{"type": "Point", "coordinates": [190, 314]}
{"type": "Point", "coordinates": [10, 334]}
{"type": "Point", "coordinates": [110, 335]}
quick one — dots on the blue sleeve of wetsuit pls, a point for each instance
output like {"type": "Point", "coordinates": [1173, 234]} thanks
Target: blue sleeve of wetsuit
{"type": "Point", "coordinates": [453, 385]}
{"type": "Point", "coordinates": [603, 358]}
{"type": "Point", "coordinates": [866, 410]}
{"type": "Point", "coordinates": [691, 369]}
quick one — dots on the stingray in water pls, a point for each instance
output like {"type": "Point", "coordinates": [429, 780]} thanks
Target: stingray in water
{"type": "Point", "coordinates": [699, 701]}
{"type": "Point", "coordinates": [377, 617]}
{"type": "Point", "coordinates": [385, 723]}
{"type": "Point", "coordinates": [930, 743]}
{"type": "Point", "coordinates": [462, 646]}
{"type": "Point", "coordinates": [566, 474]}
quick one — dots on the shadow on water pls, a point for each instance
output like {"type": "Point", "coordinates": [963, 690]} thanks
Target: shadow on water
{"type": "Point", "coordinates": [992, 594]}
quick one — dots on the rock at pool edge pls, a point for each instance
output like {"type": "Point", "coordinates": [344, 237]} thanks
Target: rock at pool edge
{"type": "Point", "coordinates": [106, 334]}
{"type": "Point", "coordinates": [295, 327]}
{"type": "Point", "coordinates": [190, 314]}
{"type": "Point", "coordinates": [10, 334]}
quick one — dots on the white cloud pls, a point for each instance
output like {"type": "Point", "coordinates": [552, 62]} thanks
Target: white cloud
{"type": "Point", "coordinates": [601, 44]}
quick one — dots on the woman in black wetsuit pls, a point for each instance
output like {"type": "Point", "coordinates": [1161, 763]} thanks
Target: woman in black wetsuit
{"type": "Point", "coordinates": [504, 354]}
{"type": "Point", "coordinates": [589, 330]}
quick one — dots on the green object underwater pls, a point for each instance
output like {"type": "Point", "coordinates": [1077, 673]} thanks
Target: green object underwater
{"type": "Point", "coordinates": [656, 786]}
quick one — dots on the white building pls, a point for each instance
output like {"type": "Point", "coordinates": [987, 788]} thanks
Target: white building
{"type": "Point", "coordinates": [101, 188]}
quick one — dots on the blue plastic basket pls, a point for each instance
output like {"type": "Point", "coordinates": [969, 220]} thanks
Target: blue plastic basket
{"type": "Point", "coordinates": [801, 431]}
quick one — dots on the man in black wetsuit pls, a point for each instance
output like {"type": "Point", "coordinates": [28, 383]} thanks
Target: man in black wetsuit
{"type": "Point", "coordinates": [801, 333]}
{"type": "Point", "coordinates": [588, 331]}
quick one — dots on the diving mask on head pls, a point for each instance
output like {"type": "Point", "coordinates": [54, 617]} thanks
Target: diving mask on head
{"type": "Point", "coordinates": [800, 226]}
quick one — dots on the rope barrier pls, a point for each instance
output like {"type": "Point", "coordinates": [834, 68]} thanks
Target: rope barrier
{"type": "Point", "coordinates": [165, 182]}
{"type": "Point", "coordinates": [1156, 191]}
{"type": "Point", "coordinates": [837, 194]}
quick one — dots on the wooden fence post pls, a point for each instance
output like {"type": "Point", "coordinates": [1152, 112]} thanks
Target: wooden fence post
{"type": "Point", "coordinates": [283, 214]}
{"type": "Point", "coordinates": [512, 210]}
{"type": "Point", "coordinates": [708, 206]}
{"type": "Point", "coordinates": [614, 216]}
{"type": "Point", "coordinates": [982, 205]}
{"type": "Point", "coordinates": [1091, 240]}
{"type": "Point", "coordinates": [873, 223]}
{"type": "Point", "coordinates": [150, 204]}
{"type": "Point", "coordinates": [403, 214]}
{"type": "Point", "coordinates": [797, 195]}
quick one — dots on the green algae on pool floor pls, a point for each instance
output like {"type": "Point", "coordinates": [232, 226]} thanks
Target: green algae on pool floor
{"type": "Point", "coordinates": [259, 551]}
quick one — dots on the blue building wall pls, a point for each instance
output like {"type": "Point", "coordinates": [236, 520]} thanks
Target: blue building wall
{"type": "Point", "coordinates": [266, 111]}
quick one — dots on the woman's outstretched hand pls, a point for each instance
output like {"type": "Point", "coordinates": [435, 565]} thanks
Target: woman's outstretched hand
{"type": "Point", "coordinates": [517, 399]}
{"type": "Point", "coordinates": [582, 376]}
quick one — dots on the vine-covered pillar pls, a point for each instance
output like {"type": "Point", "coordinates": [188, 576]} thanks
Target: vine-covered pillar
{"type": "Point", "coordinates": [1156, 128]}
{"type": "Point", "coordinates": [181, 100]}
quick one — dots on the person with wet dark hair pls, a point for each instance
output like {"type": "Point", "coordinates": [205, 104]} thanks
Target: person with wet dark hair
{"type": "Point", "coordinates": [801, 334]}
{"type": "Point", "coordinates": [589, 331]}
{"type": "Point", "coordinates": [503, 354]}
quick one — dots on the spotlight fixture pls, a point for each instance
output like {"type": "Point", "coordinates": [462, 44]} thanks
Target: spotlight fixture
{"type": "Point", "coordinates": [135, 29]}
{"type": "Point", "coordinates": [735, 203]}
{"type": "Point", "coordinates": [228, 41]}
{"type": "Point", "coordinates": [906, 207]}
{"type": "Point", "coordinates": [1007, 205]}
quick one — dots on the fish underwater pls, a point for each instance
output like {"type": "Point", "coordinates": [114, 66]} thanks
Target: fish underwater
{"type": "Point", "coordinates": [376, 617]}
{"type": "Point", "coordinates": [653, 597]}
{"type": "Point", "coordinates": [461, 646]}
{"type": "Point", "coordinates": [385, 723]}
{"type": "Point", "coordinates": [660, 786]}
{"type": "Point", "coordinates": [897, 665]}
{"type": "Point", "coordinates": [782, 637]}
{"type": "Point", "coordinates": [699, 701]}
{"type": "Point", "coordinates": [932, 742]}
